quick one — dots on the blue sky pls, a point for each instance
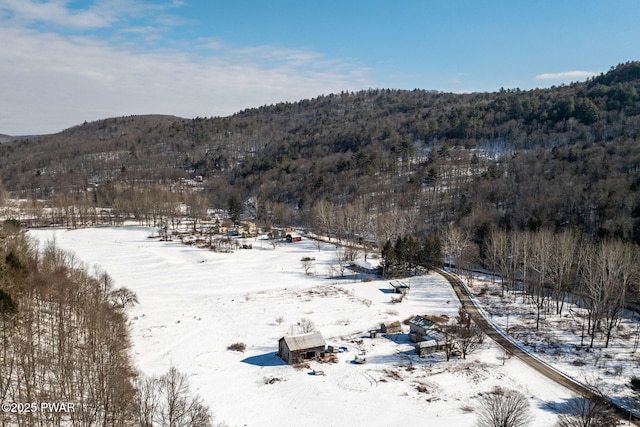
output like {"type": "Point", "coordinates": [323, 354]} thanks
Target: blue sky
{"type": "Point", "coordinates": [63, 62]}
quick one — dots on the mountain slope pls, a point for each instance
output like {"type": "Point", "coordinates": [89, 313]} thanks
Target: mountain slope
{"type": "Point", "coordinates": [349, 146]}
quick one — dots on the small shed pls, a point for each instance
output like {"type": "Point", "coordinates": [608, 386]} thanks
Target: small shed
{"type": "Point", "coordinates": [420, 327]}
{"type": "Point", "coordinates": [399, 287]}
{"type": "Point", "coordinates": [391, 327]}
{"type": "Point", "coordinates": [291, 238]}
{"type": "Point", "coordinates": [295, 349]}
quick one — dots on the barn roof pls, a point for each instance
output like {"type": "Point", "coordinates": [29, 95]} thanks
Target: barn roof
{"type": "Point", "coordinates": [304, 341]}
{"type": "Point", "coordinates": [422, 322]}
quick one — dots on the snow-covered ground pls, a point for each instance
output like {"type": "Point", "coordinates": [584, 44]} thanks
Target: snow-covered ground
{"type": "Point", "coordinates": [194, 303]}
{"type": "Point", "coordinates": [562, 341]}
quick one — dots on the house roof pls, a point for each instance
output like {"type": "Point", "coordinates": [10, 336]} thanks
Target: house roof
{"type": "Point", "coordinates": [434, 336]}
{"type": "Point", "coordinates": [427, 344]}
{"type": "Point", "coordinates": [422, 322]}
{"type": "Point", "coordinates": [363, 265]}
{"type": "Point", "coordinates": [304, 341]}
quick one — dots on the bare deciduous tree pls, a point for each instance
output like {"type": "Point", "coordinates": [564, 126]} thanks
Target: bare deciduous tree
{"type": "Point", "coordinates": [467, 335]}
{"type": "Point", "coordinates": [341, 260]}
{"type": "Point", "coordinates": [497, 249]}
{"type": "Point", "coordinates": [324, 218]}
{"type": "Point", "coordinates": [384, 228]}
{"type": "Point", "coordinates": [122, 297]}
{"type": "Point", "coordinates": [540, 244]}
{"type": "Point", "coordinates": [64, 339]}
{"type": "Point", "coordinates": [167, 401]}
{"type": "Point", "coordinates": [583, 412]}
{"type": "Point", "coordinates": [197, 206]}
{"type": "Point", "coordinates": [608, 271]}
{"type": "Point", "coordinates": [562, 265]}
{"type": "Point", "coordinates": [304, 326]}
{"type": "Point", "coordinates": [503, 408]}
{"type": "Point", "coordinates": [147, 400]}
{"type": "Point", "coordinates": [456, 241]}
{"type": "Point", "coordinates": [307, 264]}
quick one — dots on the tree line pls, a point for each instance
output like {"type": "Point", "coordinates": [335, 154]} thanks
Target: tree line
{"type": "Point", "coordinates": [64, 339]}
{"type": "Point", "coordinates": [547, 270]}
{"type": "Point", "coordinates": [544, 269]}
{"type": "Point", "coordinates": [558, 157]}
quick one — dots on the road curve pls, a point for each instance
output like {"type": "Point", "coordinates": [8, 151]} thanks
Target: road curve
{"type": "Point", "coordinates": [467, 301]}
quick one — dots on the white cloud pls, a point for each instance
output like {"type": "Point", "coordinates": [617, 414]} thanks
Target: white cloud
{"type": "Point", "coordinates": [566, 75]}
{"type": "Point", "coordinates": [51, 81]}
{"type": "Point", "coordinates": [53, 12]}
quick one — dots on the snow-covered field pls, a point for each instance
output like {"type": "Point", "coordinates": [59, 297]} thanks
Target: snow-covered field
{"type": "Point", "coordinates": [194, 303]}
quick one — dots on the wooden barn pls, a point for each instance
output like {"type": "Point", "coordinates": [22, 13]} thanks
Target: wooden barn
{"type": "Point", "coordinates": [391, 327]}
{"type": "Point", "coordinates": [295, 349]}
{"type": "Point", "coordinates": [420, 327]}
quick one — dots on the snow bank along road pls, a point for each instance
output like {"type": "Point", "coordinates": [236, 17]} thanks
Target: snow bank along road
{"type": "Point", "coordinates": [478, 316]}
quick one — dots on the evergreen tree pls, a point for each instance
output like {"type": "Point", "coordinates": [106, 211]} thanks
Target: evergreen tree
{"type": "Point", "coordinates": [235, 208]}
{"type": "Point", "coordinates": [406, 255]}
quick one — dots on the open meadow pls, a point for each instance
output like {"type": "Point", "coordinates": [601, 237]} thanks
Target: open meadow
{"type": "Point", "coordinates": [194, 304]}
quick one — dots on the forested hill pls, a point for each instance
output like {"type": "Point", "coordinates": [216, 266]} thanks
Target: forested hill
{"type": "Point", "coordinates": [554, 157]}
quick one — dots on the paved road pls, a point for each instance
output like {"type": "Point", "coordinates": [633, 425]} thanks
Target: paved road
{"type": "Point", "coordinates": [488, 328]}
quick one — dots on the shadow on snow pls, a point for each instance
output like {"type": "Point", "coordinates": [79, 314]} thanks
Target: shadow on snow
{"type": "Point", "coordinates": [267, 359]}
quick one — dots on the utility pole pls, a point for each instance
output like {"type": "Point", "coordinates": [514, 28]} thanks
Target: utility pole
{"type": "Point", "coordinates": [507, 322]}
{"type": "Point", "coordinates": [637, 340]}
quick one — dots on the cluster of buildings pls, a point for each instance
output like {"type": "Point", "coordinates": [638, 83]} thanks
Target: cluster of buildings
{"type": "Point", "coordinates": [425, 333]}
